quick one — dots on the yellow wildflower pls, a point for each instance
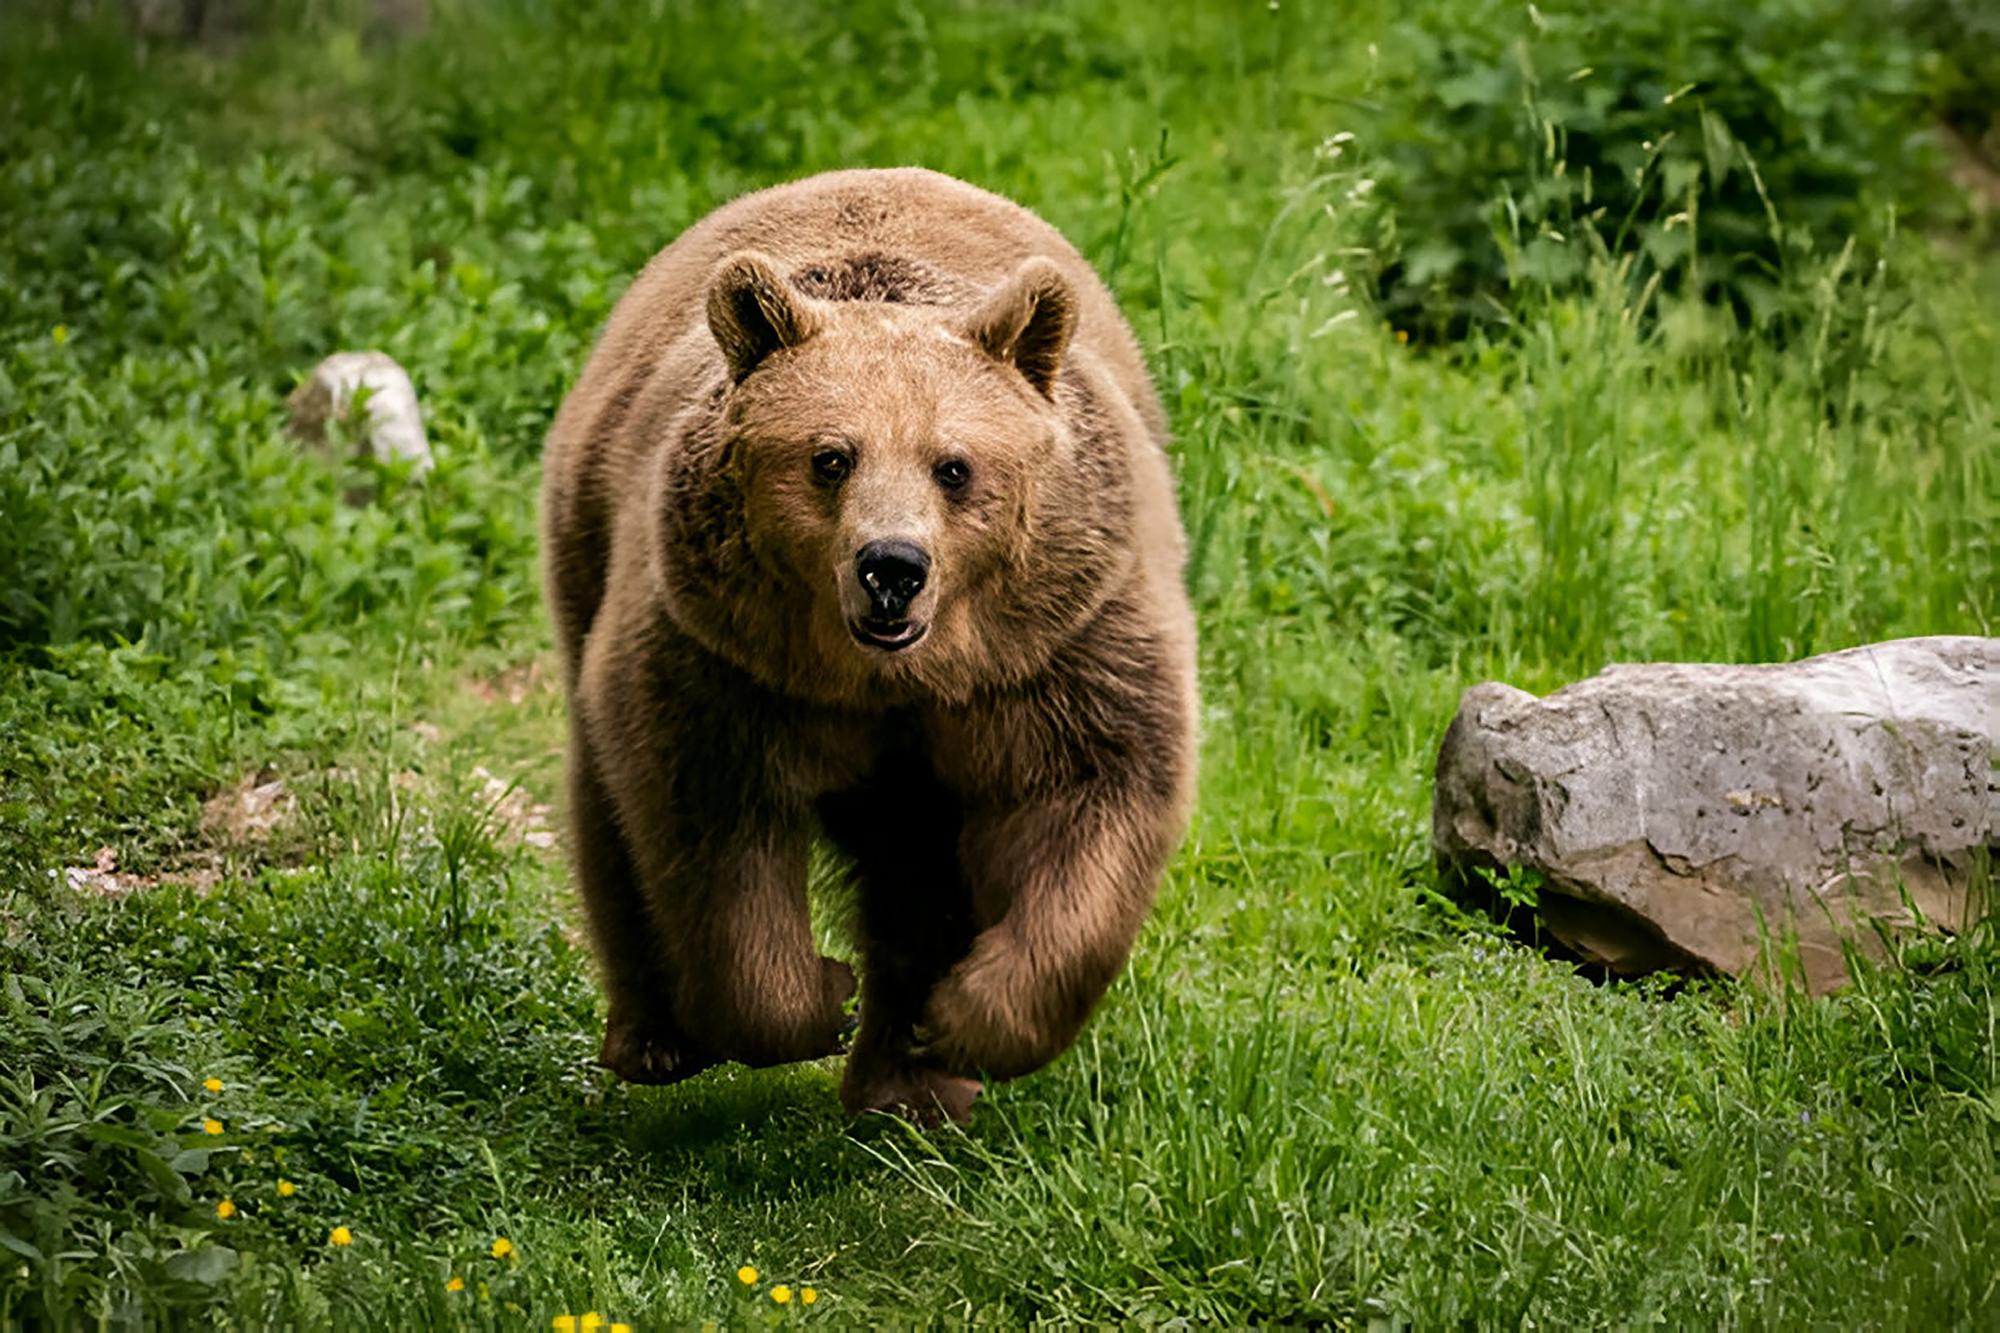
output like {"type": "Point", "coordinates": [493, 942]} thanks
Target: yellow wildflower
{"type": "Point", "coordinates": [60, 333]}
{"type": "Point", "coordinates": [1402, 335]}
{"type": "Point", "coordinates": [210, 1126]}
{"type": "Point", "coordinates": [564, 1323]}
{"type": "Point", "coordinates": [807, 1295]}
{"type": "Point", "coordinates": [340, 1236]}
{"type": "Point", "coordinates": [502, 1247]}
{"type": "Point", "coordinates": [621, 1328]}
{"type": "Point", "coordinates": [590, 1322]}
{"type": "Point", "coordinates": [286, 1189]}
{"type": "Point", "coordinates": [454, 1283]}
{"type": "Point", "coordinates": [782, 1294]}
{"type": "Point", "coordinates": [747, 1275]}
{"type": "Point", "coordinates": [225, 1209]}
{"type": "Point", "coordinates": [212, 1084]}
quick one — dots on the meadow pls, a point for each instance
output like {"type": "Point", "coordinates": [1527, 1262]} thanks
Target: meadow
{"type": "Point", "coordinates": [1498, 343]}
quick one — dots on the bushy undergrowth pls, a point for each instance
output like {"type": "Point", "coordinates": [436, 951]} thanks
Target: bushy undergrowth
{"type": "Point", "coordinates": [1719, 144]}
{"type": "Point", "coordinates": [1321, 1095]}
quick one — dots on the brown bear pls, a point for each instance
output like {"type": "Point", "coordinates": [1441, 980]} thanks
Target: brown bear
{"type": "Point", "coordinates": [860, 522]}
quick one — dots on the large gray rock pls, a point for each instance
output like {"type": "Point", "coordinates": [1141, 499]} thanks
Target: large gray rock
{"type": "Point", "coordinates": [1715, 816]}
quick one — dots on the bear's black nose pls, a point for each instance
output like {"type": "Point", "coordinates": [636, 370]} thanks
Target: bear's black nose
{"type": "Point", "coordinates": [892, 574]}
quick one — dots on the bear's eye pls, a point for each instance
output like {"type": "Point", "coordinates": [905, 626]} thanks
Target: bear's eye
{"type": "Point", "coordinates": [952, 474]}
{"type": "Point", "coordinates": [831, 465]}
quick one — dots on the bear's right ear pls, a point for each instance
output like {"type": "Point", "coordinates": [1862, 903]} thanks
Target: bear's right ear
{"type": "Point", "coordinates": [752, 311]}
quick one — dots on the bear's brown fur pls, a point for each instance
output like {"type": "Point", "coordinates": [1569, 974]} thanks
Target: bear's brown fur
{"type": "Point", "coordinates": [806, 397]}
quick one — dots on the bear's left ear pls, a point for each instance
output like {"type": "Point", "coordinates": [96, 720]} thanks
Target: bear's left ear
{"type": "Point", "coordinates": [752, 311]}
{"type": "Point", "coordinates": [1027, 321]}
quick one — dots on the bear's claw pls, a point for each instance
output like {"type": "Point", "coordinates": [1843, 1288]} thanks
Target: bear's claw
{"type": "Point", "coordinates": [925, 1097]}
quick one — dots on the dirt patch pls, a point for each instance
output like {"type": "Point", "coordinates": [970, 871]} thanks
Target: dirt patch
{"type": "Point", "coordinates": [249, 812]}
{"type": "Point", "coordinates": [516, 814]}
{"type": "Point", "coordinates": [104, 879]}
{"type": "Point", "coordinates": [513, 686]}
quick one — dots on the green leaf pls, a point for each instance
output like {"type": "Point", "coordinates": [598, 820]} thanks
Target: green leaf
{"type": "Point", "coordinates": [205, 1266]}
{"type": "Point", "coordinates": [118, 1136]}
{"type": "Point", "coordinates": [10, 1241]}
{"type": "Point", "coordinates": [1719, 145]}
{"type": "Point", "coordinates": [165, 1179]}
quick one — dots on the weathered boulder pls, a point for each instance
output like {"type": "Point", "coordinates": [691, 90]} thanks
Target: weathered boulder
{"type": "Point", "coordinates": [1749, 819]}
{"type": "Point", "coordinates": [394, 426]}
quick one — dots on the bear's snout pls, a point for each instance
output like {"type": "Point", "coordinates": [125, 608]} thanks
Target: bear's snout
{"type": "Point", "coordinates": [889, 574]}
{"type": "Point", "coordinates": [892, 574]}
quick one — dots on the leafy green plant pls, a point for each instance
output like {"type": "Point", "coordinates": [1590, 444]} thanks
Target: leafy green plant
{"type": "Point", "coordinates": [1961, 67]}
{"type": "Point", "coordinates": [1719, 143]}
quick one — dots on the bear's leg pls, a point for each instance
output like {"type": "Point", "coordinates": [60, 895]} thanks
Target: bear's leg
{"type": "Point", "coordinates": [691, 755]}
{"type": "Point", "coordinates": [1061, 887]}
{"type": "Point", "coordinates": [916, 921]}
{"type": "Point", "coordinates": [642, 1043]}
{"type": "Point", "coordinates": [749, 981]}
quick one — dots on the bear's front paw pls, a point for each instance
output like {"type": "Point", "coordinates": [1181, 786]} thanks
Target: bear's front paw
{"type": "Point", "coordinates": [640, 1052]}
{"type": "Point", "coordinates": [925, 1097]}
{"type": "Point", "coordinates": [978, 1021]}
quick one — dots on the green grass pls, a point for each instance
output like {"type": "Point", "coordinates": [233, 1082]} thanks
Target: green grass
{"type": "Point", "coordinates": [1322, 1093]}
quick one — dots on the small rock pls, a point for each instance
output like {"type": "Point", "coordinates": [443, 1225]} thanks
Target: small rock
{"type": "Point", "coordinates": [394, 429]}
{"type": "Point", "coordinates": [99, 877]}
{"type": "Point", "coordinates": [1692, 816]}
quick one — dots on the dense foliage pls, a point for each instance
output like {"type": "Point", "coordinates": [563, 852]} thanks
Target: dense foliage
{"type": "Point", "coordinates": [1719, 144]}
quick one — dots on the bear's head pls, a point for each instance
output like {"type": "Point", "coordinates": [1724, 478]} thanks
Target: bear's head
{"type": "Point", "coordinates": [887, 500]}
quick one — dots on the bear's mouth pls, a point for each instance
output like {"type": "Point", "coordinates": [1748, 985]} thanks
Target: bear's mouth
{"type": "Point", "coordinates": [891, 636]}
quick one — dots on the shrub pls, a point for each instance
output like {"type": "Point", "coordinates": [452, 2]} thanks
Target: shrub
{"type": "Point", "coordinates": [1962, 67]}
{"type": "Point", "coordinates": [1714, 140]}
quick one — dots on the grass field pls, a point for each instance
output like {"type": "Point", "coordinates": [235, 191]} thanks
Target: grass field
{"type": "Point", "coordinates": [1324, 1092]}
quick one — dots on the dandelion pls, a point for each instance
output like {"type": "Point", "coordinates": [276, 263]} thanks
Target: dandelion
{"type": "Point", "coordinates": [621, 1328]}
{"type": "Point", "coordinates": [782, 1294]}
{"type": "Point", "coordinates": [454, 1283]}
{"type": "Point", "coordinates": [502, 1247]}
{"type": "Point", "coordinates": [286, 1189]}
{"type": "Point", "coordinates": [807, 1295]}
{"type": "Point", "coordinates": [211, 1126]}
{"type": "Point", "coordinates": [747, 1275]}
{"type": "Point", "coordinates": [340, 1236]}
{"type": "Point", "coordinates": [59, 334]}
{"type": "Point", "coordinates": [225, 1209]}
{"type": "Point", "coordinates": [590, 1322]}
{"type": "Point", "coordinates": [564, 1323]}
{"type": "Point", "coordinates": [212, 1084]}
{"type": "Point", "coordinates": [1402, 335]}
